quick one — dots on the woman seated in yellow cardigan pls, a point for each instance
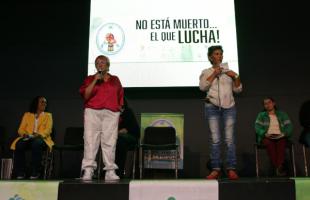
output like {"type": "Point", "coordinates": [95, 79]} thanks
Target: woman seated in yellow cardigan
{"type": "Point", "coordinates": [34, 134]}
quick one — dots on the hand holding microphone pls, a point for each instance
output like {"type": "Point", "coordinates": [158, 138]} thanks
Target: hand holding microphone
{"type": "Point", "coordinates": [217, 72]}
{"type": "Point", "coordinates": [100, 74]}
{"type": "Point", "coordinates": [99, 77]}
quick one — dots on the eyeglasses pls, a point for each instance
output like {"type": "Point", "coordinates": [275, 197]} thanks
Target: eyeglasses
{"type": "Point", "coordinates": [101, 62]}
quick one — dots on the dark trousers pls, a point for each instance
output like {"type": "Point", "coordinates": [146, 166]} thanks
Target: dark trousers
{"type": "Point", "coordinates": [125, 142]}
{"type": "Point", "coordinates": [37, 146]}
{"type": "Point", "coordinates": [276, 150]}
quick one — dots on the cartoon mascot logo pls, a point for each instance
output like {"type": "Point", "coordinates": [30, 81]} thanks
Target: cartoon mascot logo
{"type": "Point", "coordinates": [110, 38]}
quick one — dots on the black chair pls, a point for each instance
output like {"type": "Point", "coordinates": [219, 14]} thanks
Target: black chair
{"type": "Point", "coordinates": [159, 138]}
{"type": "Point", "coordinates": [131, 163]}
{"type": "Point", "coordinates": [2, 141]}
{"type": "Point", "coordinates": [132, 150]}
{"type": "Point", "coordinates": [304, 141]}
{"type": "Point", "coordinates": [48, 159]}
{"type": "Point", "coordinates": [6, 163]}
{"type": "Point", "coordinates": [304, 120]}
{"type": "Point", "coordinates": [289, 146]}
{"type": "Point", "coordinates": [304, 150]}
{"type": "Point", "coordinates": [73, 141]}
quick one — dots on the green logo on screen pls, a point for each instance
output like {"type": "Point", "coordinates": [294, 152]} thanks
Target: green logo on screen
{"type": "Point", "coordinates": [171, 198]}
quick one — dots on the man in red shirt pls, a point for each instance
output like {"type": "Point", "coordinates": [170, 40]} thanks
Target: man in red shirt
{"type": "Point", "coordinates": [103, 99]}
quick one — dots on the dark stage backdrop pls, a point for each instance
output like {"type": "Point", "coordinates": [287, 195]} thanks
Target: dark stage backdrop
{"type": "Point", "coordinates": [44, 49]}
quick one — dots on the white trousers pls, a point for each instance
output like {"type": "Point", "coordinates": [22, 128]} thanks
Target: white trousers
{"type": "Point", "coordinates": [100, 127]}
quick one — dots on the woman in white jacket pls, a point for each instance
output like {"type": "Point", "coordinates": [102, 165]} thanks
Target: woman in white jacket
{"type": "Point", "coordinates": [219, 84]}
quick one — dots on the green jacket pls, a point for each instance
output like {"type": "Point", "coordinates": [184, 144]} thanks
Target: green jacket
{"type": "Point", "coordinates": [262, 124]}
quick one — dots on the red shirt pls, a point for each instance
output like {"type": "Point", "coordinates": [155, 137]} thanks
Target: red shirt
{"type": "Point", "coordinates": [105, 95]}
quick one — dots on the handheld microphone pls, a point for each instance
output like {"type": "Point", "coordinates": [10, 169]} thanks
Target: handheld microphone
{"type": "Point", "coordinates": [102, 72]}
{"type": "Point", "coordinates": [101, 77]}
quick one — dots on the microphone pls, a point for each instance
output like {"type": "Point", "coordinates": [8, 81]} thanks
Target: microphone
{"type": "Point", "coordinates": [218, 76]}
{"type": "Point", "coordinates": [101, 76]}
{"type": "Point", "coordinates": [102, 72]}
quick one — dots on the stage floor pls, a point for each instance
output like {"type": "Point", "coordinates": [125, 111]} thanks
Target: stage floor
{"type": "Point", "coordinates": [161, 189]}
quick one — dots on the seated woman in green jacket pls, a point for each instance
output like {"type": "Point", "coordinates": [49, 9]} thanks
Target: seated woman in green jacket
{"type": "Point", "coordinates": [34, 134]}
{"type": "Point", "coordinates": [273, 129]}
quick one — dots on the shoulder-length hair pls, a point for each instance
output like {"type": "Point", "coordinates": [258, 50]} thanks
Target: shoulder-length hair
{"type": "Point", "coordinates": [34, 104]}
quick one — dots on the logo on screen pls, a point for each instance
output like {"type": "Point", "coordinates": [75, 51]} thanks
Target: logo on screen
{"type": "Point", "coordinates": [162, 123]}
{"type": "Point", "coordinates": [110, 38]}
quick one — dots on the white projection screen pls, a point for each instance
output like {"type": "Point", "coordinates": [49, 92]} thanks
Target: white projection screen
{"type": "Point", "coordinates": [161, 43]}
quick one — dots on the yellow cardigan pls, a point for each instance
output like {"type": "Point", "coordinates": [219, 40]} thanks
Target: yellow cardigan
{"type": "Point", "coordinates": [45, 124]}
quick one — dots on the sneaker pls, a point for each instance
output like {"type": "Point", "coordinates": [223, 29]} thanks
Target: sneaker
{"type": "Point", "coordinates": [215, 174]}
{"type": "Point", "coordinates": [35, 176]}
{"type": "Point", "coordinates": [232, 175]}
{"type": "Point", "coordinates": [88, 175]}
{"type": "Point", "coordinates": [111, 176]}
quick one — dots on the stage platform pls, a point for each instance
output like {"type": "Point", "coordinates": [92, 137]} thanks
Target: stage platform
{"type": "Point", "coordinates": [181, 189]}
{"type": "Point", "coordinates": [96, 189]}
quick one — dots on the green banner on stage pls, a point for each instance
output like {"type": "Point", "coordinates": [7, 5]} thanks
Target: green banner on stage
{"type": "Point", "coordinates": [24, 190]}
{"type": "Point", "coordinates": [174, 190]}
{"type": "Point", "coordinates": [302, 186]}
{"type": "Point", "coordinates": [161, 159]}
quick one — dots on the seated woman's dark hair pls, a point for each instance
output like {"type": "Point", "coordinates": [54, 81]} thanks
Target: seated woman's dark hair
{"type": "Point", "coordinates": [271, 99]}
{"type": "Point", "coordinates": [34, 104]}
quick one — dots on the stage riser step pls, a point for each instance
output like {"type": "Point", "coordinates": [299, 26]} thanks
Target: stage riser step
{"type": "Point", "coordinates": [152, 189]}
{"type": "Point", "coordinates": [257, 190]}
{"type": "Point", "coordinates": [89, 191]}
